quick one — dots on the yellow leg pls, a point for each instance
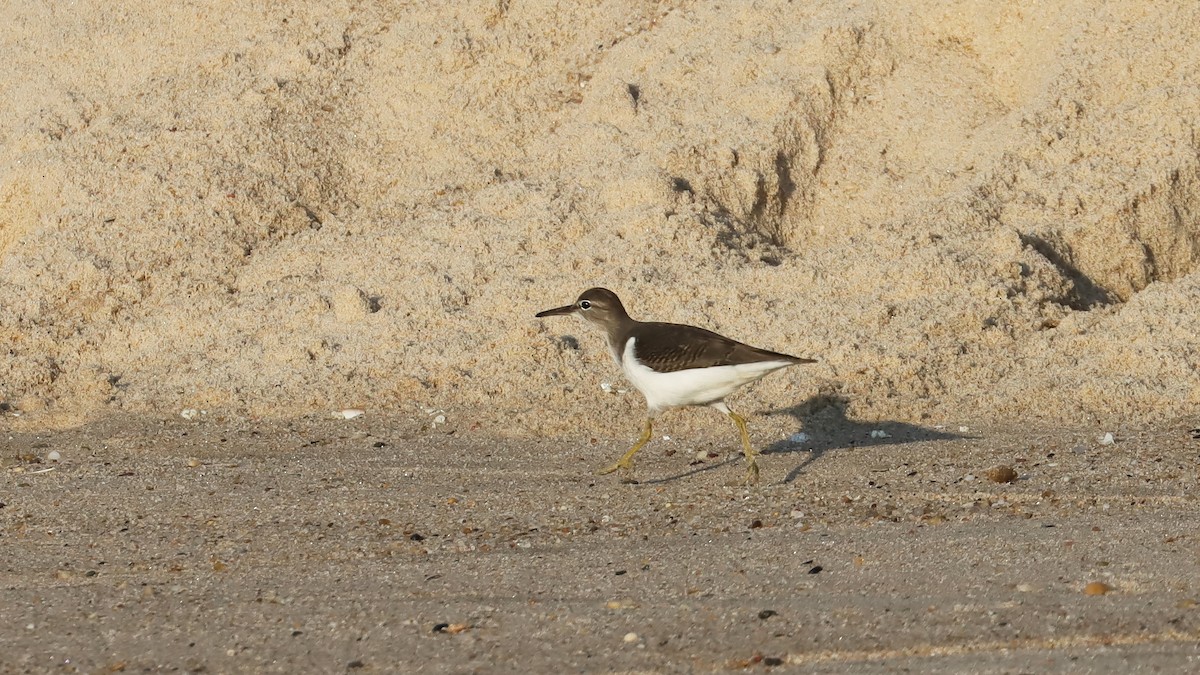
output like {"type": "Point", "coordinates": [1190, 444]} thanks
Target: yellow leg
{"type": "Point", "coordinates": [751, 463]}
{"type": "Point", "coordinates": [626, 461]}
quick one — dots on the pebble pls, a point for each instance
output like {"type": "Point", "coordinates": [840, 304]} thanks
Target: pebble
{"type": "Point", "coordinates": [1107, 439]}
{"type": "Point", "coordinates": [799, 437]}
{"type": "Point", "coordinates": [880, 433]}
{"type": "Point", "coordinates": [189, 413]}
{"type": "Point", "coordinates": [1001, 473]}
{"type": "Point", "coordinates": [350, 413]}
{"type": "Point", "coordinates": [620, 604]}
{"type": "Point", "coordinates": [53, 456]}
{"type": "Point", "coordinates": [631, 637]}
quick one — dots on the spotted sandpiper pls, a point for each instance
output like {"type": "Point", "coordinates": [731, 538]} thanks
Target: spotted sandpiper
{"type": "Point", "coordinates": [675, 365]}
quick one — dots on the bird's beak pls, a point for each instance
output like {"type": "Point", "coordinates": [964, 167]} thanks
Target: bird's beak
{"type": "Point", "coordinates": [557, 311]}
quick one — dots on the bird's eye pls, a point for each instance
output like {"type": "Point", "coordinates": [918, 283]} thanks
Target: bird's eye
{"type": "Point", "coordinates": [585, 304]}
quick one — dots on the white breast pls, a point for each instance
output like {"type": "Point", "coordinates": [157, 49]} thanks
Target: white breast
{"type": "Point", "coordinates": [696, 386]}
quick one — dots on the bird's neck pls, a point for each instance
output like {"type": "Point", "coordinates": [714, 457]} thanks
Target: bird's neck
{"type": "Point", "coordinates": [617, 333]}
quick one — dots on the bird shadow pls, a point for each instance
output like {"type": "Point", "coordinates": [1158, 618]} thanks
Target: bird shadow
{"type": "Point", "coordinates": [823, 419]}
{"type": "Point", "coordinates": [698, 469]}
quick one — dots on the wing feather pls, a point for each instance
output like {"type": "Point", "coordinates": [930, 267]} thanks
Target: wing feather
{"type": "Point", "coordinates": [669, 347]}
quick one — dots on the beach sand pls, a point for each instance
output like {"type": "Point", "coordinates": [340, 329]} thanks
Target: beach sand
{"type": "Point", "coordinates": [233, 222]}
{"type": "Point", "coordinates": [376, 545]}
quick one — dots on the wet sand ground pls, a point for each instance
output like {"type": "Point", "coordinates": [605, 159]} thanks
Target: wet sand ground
{"type": "Point", "coordinates": [374, 545]}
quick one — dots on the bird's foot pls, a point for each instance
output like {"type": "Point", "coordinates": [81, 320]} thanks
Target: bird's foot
{"type": "Point", "coordinates": [751, 473]}
{"type": "Point", "coordinates": [624, 465]}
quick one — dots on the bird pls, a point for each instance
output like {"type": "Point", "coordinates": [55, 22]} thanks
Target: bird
{"type": "Point", "coordinates": [675, 365]}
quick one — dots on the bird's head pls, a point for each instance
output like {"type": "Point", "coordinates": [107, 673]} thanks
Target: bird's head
{"type": "Point", "coordinates": [597, 305]}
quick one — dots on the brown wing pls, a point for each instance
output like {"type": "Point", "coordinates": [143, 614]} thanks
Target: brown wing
{"type": "Point", "coordinates": [668, 347]}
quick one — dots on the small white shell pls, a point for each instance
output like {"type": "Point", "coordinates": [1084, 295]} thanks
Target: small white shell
{"type": "Point", "coordinates": [1107, 439]}
{"type": "Point", "coordinates": [350, 413]}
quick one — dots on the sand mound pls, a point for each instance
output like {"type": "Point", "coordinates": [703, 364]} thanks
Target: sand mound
{"type": "Point", "coordinates": [965, 211]}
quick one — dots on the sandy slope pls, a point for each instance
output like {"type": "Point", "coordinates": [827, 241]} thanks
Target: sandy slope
{"type": "Point", "coordinates": [966, 210]}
